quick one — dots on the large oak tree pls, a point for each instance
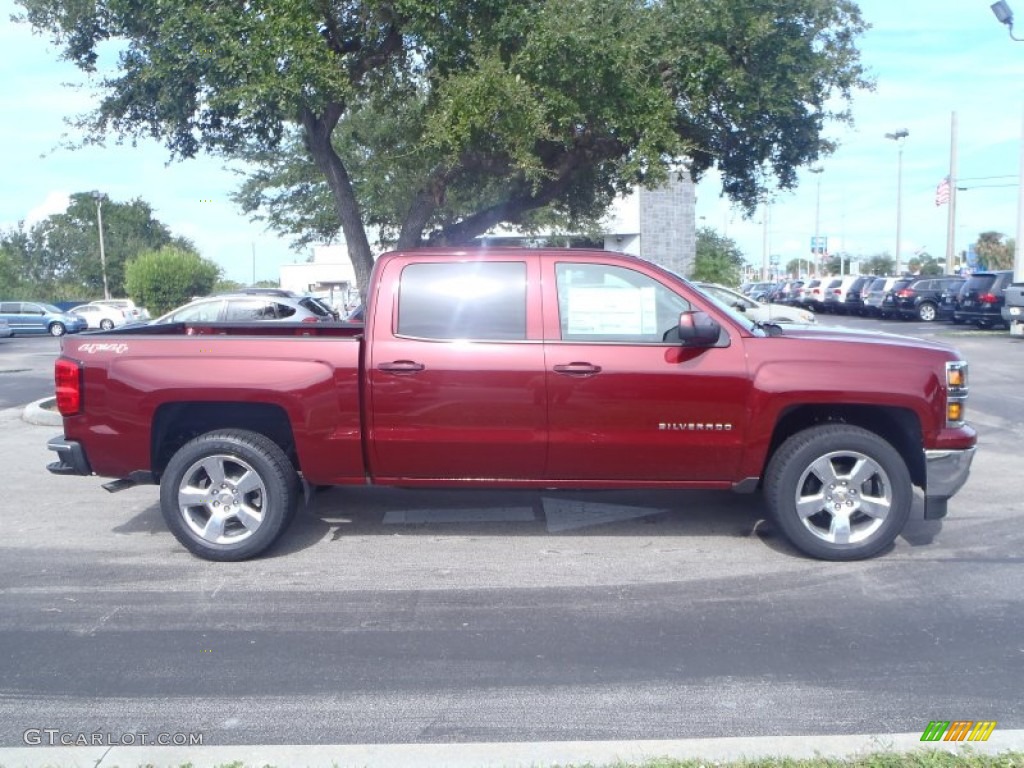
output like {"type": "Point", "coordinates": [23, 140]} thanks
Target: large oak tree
{"type": "Point", "coordinates": [438, 120]}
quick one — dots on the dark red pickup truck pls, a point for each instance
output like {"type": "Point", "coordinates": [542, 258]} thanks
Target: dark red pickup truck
{"type": "Point", "coordinates": [507, 368]}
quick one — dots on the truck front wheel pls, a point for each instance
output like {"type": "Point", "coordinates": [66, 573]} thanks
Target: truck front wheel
{"type": "Point", "coordinates": [838, 492]}
{"type": "Point", "coordinates": [229, 494]}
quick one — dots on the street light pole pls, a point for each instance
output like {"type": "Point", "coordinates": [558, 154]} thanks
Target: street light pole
{"type": "Point", "coordinates": [817, 221]}
{"type": "Point", "coordinates": [899, 137]}
{"type": "Point", "coordinates": [98, 197]}
{"type": "Point", "coordinates": [1005, 16]}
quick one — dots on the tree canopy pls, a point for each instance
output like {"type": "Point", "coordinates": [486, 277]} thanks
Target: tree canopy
{"type": "Point", "coordinates": [168, 277]}
{"type": "Point", "coordinates": [435, 121]}
{"type": "Point", "coordinates": [995, 250]}
{"type": "Point", "coordinates": [718, 258]}
{"type": "Point", "coordinates": [59, 257]}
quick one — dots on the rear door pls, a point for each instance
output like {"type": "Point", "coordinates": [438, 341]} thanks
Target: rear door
{"type": "Point", "coordinates": [456, 371]}
{"type": "Point", "coordinates": [625, 402]}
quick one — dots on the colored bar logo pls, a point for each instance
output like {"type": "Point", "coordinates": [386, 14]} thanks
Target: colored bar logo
{"type": "Point", "coordinates": [958, 730]}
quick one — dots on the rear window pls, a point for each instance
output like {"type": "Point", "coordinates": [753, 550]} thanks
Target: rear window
{"type": "Point", "coordinates": [980, 283]}
{"type": "Point", "coordinates": [463, 300]}
{"type": "Point", "coordinates": [314, 306]}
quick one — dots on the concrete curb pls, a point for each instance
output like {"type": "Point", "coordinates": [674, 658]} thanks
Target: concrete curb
{"type": "Point", "coordinates": [493, 755]}
{"type": "Point", "coordinates": [39, 413]}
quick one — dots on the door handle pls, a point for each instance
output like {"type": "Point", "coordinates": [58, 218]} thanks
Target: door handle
{"type": "Point", "coordinates": [578, 369]}
{"type": "Point", "coordinates": [401, 366]}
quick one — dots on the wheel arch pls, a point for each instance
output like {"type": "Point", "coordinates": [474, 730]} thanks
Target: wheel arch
{"type": "Point", "coordinates": [898, 426]}
{"type": "Point", "coordinates": [174, 424]}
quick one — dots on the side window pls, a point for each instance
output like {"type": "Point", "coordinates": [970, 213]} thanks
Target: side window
{"type": "Point", "coordinates": [10, 308]}
{"type": "Point", "coordinates": [463, 300]}
{"type": "Point", "coordinates": [207, 312]}
{"type": "Point", "coordinates": [598, 302]}
{"type": "Point", "coordinates": [249, 310]}
{"type": "Point", "coordinates": [283, 310]}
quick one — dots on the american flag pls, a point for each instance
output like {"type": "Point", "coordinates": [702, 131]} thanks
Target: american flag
{"type": "Point", "coordinates": [942, 192]}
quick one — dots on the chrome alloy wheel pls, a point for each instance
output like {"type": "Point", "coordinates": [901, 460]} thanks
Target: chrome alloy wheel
{"type": "Point", "coordinates": [222, 499]}
{"type": "Point", "coordinates": [844, 497]}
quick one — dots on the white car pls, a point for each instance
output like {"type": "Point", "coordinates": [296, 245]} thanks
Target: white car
{"type": "Point", "coordinates": [131, 312]}
{"type": "Point", "coordinates": [101, 316]}
{"type": "Point", "coordinates": [756, 310]}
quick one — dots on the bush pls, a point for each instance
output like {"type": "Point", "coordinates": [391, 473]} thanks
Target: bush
{"type": "Point", "coordinates": [169, 277]}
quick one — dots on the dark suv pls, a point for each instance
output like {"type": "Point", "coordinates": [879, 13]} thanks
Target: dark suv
{"type": "Point", "coordinates": [982, 298]}
{"type": "Point", "coordinates": [922, 296]}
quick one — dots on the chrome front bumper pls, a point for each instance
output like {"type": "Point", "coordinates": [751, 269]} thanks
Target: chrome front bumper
{"type": "Point", "coordinates": [946, 473]}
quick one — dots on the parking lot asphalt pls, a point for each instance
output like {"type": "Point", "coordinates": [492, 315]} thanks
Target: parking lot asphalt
{"type": "Point", "coordinates": [422, 619]}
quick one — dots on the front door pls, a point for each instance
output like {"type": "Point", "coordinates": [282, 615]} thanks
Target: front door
{"type": "Point", "coordinates": [626, 402]}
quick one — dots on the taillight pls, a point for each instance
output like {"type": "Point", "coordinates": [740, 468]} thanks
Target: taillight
{"type": "Point", "coordinates": [904, 294]}
{"type": "Point", "coordinates": [67, 376]}
{"type": "Point", "coordinates": [311, 319]}
{"type": "Point", "coordinates": [988, 298]}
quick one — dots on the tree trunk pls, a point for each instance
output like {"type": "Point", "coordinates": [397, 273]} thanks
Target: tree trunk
{"type": "Point", "coordinates": [318, 138]}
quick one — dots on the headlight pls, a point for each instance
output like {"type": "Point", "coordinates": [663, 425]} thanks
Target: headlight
{"type": "Point", "coordinates": [807, 317]}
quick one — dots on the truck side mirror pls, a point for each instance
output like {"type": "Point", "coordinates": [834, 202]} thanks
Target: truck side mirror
{"type": "Point", "coordinates": [698, 329]}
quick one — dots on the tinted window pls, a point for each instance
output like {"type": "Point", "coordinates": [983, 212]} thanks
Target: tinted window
{"type": "Point", "coordinates": [205, 312]}
{"type": "Point", "coordinates": [599, 302]}
{"type": "Point", "coordinates": [244, 310]}
{"type": "Point", "coordinates": [463, 300]}
{"type": "Point", "coordinates": [10, 307]}
{"type": "Point", "coordinates": [980, 283]}
{"type": "Point", "coordinates": [314, 306]}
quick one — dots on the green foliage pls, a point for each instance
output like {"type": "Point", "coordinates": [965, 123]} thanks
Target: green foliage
{"type": "Point", "coordinates": [226, 286]}
{"type": "Point", "coordinates": [926, 265]}
{"type": "Point", "coordinates": [436, 121]}
{"type": "Point", "coordinates": [995, 251]}
{"type": "Point", "coordinates": [169, 277]}
{"type": "Point", "coordinates": [881, 264]}
{"type": "Point", "coordinates": [59, 257]}
{"type": "Point", "coordinates": [718, 258]}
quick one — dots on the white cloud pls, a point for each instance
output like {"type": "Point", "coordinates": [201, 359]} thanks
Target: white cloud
{"type": "Point", "coordinates": [55, 202]}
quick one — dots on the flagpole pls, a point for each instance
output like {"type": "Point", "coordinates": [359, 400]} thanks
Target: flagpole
{"type": "Point", "coordinates": [951, 213]}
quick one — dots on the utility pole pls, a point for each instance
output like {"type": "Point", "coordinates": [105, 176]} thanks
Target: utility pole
{"type": "Point", "coordinates": [951, 213]}
{"type": "Point", "coordinates": [98, 197]}
{"type": "Point", "coordinates": [899, 137]}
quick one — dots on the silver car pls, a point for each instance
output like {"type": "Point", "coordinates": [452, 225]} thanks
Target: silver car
{"type": "Point", "coordinates": [756, 310]}
{"type": "Point", "coordinates": [245, 308]}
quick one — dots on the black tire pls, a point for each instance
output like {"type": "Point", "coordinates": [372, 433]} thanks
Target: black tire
{"type": "Point", "coordinates": [57, 329]}
{"type": "Point", "coordinates": [927, 312]}
{"type": "Point", "coordinates": [875, 509]}
{"type": "Point", "coordinates": [106, 325]}
{"type": "Point", "coordinates": [258, 493]}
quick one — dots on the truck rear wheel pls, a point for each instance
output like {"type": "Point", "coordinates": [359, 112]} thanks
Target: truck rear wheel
{"type": "Point", "coordinates": [838, 492]}
{"type": "Point", "coordinates": [229, 494]}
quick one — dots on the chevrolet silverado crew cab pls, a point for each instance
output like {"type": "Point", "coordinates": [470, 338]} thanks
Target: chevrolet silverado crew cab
{"type": "Point", "coordinates": [510, 368]}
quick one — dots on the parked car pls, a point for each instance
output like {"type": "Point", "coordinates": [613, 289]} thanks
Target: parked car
{"type": "Point", "coordinates": [853, 302]}
{"type": "Point", "coordinates": [285, 293]}
{"type": "Point", "coordinates": [758, 311]}
{"type": "Point", "coordinates": [33, 317]}
{"type": "Point", "coordinates": [5, 329]}
{"type": "Point", "coordinates": [248, 307]}
{"type": "Point", "coordinates": [949, 300]}
{"type": "Point", "coordinates": [357, 315]}
{"type": "Point", "coordinates": [785, 292]}
{"type": "Point", "coordinates": [983, 297]}
{"type": "Point", "coordinates": [810, 294]}
{"type": "Point", "coordinates": [834, 296]}
{"type": "Point", "coordinates": [757, 291]}
{"type": "Point", "coordinates": [873, 303]}
{"type": "Point", "coordinates": [922, 296]}
{"type": "Point", "coordinates": [102, 316]}
{"type": "Point", "coordinates": [132, 312]}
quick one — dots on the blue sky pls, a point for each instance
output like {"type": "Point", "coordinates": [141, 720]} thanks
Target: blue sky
{"type": "Point", "coordinates": [928, 59]}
